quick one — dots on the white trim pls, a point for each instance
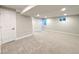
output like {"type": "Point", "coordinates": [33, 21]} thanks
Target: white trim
{"type": "Point", "coordinates": [18, 38]}
{"type": "Point", "coordinates": [24, 36]}
{"type": "Point", "coordinates": [64, 32]}
{"type": "Point", "coordinates": [7, 42]}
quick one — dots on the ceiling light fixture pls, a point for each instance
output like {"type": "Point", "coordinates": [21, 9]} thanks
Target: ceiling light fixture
{"type": "Point", "coordinates": [45, 16]}
{"type": "Point", "coordinates": [38, 15]}
{"type": "Point", "coordinates": [65, 14]}
{"type": "Point", "coordinates": [63, 9]}
{"type": "Point", "coordinates": [28, 8]}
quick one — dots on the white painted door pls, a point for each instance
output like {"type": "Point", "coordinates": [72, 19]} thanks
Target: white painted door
{"type": "Point", "coordinates": [8, 24]}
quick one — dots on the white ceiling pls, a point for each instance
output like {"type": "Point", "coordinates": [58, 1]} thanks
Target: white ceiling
{"type": "Point", "coordinates": [18, 8]}
{"type": "Point", "coordinates": [53, 10]}
{"type": "Point", "coordinates": [47, 10]}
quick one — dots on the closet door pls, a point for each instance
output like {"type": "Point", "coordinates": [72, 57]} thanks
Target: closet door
{"type": "Point", "coordinates": [8, 24]}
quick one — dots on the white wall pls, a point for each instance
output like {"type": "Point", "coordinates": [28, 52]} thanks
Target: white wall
{"type": "Point", "coordinates": [23, 25]}
{"type": "Point", "coordinates": [71, 25]}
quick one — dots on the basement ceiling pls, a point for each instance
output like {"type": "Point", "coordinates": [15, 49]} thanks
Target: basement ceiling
{"type": "Point", "coordinates": [53, 10]}
{"type": "Point", "coordinates": [47, 10]}
{"type": "Point", "coordinates": [18, 8]}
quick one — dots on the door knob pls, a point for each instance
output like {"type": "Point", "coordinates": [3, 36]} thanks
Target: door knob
{"type": "Point", "coordinates": [13, 28]}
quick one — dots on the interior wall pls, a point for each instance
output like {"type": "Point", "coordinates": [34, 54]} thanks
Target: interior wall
{"type": "Point", "coordinates": [70, 25]}
{"type": "Point", "coordinates": [23, 25]}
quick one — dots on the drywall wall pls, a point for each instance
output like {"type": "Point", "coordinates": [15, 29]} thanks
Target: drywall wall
{"type": "Point", "coordinates": [71, 25]}
{"type": "Point", "coordinates": [23, 25]}
{"type": "Point", "coordinates": [7, 24]}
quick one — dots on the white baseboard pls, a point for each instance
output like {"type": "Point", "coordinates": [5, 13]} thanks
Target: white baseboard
{"type": "Point", "coordinates": [24, 36]}
{"type": "Point", "coordinates": [64, 32]}
{"type": "Point", "coordinates": [17, 38]}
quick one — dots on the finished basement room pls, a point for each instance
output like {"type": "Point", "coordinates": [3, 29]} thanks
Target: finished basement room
{"type": "Point", "coordinates": [39, 29]}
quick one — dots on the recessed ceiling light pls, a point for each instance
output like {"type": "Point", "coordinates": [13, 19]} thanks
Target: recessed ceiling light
{"type": "Point", "coordinates": [45, 16]}
{"type": "Point", "coordinates": [38, 15]}
{"type": "Point", "coordinates": [63, 9]}
{"type": "Point", "coordinates": [65, 14]}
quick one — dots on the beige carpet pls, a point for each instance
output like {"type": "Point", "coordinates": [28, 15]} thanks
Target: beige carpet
{"type": "Point", "coordinates": [43, 43]}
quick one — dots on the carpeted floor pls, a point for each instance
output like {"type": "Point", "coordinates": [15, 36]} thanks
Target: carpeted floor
{"type": "Point", "coordinates": [43, 43]}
